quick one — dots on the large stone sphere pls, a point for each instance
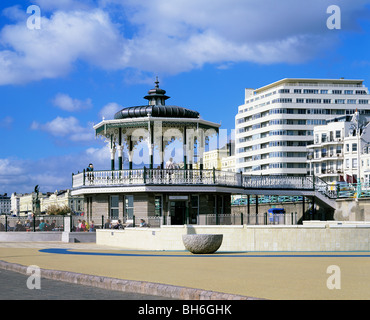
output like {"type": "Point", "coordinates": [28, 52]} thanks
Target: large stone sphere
{"type": "Point", "coordinates": [202, 243]}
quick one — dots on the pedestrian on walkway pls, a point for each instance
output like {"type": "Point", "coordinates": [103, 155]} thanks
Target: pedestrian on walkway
{"type": "Point", "coordinates": [107, 225]}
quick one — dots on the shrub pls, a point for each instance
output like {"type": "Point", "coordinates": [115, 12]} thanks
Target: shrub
{"type": "Point", "coordinates": [58, 210]}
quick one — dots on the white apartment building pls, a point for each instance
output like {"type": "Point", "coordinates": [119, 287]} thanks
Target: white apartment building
{"type": "Point", "coordinates": [22, 204]}
{"type": "Point", "coordinates": [5, 204]}
{"type": "Point", "coordinates": [228, 163]}
{"type": "Point", "coordinates": [15, 203]}
{"type": "Point", "coordinates": [365, 167]}
{"type": "Point", "coordinates": [276, 122]}
{"type": "Point", "coordinates": [336, 152]}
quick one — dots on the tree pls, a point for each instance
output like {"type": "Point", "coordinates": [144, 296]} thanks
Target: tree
{"type": "Point", "coordinates": [58, 210]}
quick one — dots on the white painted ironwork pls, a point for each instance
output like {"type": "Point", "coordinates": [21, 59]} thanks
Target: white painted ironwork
{"type": "Point", "coordinates": [197, 177]}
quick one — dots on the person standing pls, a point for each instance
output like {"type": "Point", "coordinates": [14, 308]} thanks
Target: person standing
{"type": "Point", "coordinates": [89, 172]}
{"type": "Point", "coordinates": [107, 224]}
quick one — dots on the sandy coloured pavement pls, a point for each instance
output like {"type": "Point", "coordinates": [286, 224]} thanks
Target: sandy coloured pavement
{"type": "Point", "coordinates": [268, 275]}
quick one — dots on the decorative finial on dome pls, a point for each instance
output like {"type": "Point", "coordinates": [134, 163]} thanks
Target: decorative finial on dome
{"type": "Point", "coordinates": [156, 96]}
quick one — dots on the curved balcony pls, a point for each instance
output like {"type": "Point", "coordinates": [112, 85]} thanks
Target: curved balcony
{"type": "Point", "coordinates": [188, 177]}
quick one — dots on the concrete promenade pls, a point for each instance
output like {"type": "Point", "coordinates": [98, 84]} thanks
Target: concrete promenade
{"type": "Point", "coordinates": [181, 275]}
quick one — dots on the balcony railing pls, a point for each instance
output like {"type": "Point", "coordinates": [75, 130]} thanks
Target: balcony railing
{"type": "Point", "coordinates": [193, 177]}
{"type": "Point", "coordinates": [156, 177]}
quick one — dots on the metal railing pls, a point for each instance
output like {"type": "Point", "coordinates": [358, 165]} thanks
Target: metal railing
{"type": "Point", "coordinates": [248, 219]}
{"type": "Point", "coordinates": [192, 177]}
{"type": "Point", "coordinates": [43, 223]}
{"type": "Point", "coordinates": [78, 224]}
{"type": "Point", "coordinates": [31, 224]}
{"type": "Point", "coordinates": [352, 190]}
{"type": "Point", "coordinates": [214, 219]}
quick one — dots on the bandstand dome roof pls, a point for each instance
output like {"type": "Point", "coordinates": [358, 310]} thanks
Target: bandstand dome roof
{"type": "Point", "coordinates": [156, 107]}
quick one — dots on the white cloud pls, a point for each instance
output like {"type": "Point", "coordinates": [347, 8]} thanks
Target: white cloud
{"type": "Point", "coordinates": [7, 167]}
{"type": "Point", "coordinates": [53, 173]}
{"type": "Point", "coordinates": [67, 128]}
{"type": "Point", "coordinates": [109, 110]}
{"type": "Point", "coordinates": [65, 102]}
{"type": "Point", "coordinates": [166, 36]}
{"type": "Point", "coordinates": [63, 39]}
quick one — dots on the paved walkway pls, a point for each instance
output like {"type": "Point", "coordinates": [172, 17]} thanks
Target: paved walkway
{"type": "Point", "coordinates": [16, 289]}
{"type": "Point", "coordinates": [266, 275]}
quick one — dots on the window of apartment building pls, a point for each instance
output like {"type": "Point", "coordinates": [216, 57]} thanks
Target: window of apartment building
{"type": "Point", "coordinates": [339, 165]}
{"type": "Point", "coordinates": [362, 101]}
{"type": "Point", "coordinates": [323, 152]}
{"type": "Point", "coordinates": [323, 167]}
{"type": "Point", "coordinates": [114, 207]}
{"type": "Point", "coordinates": [297, 90]}
{"type": "Point", "coordinates": [299, 100]}
{"type": "Point", "coordinates": [367, 180]}
{"type": "Point", "coordinates": [311, 91]}
{"type": "Point", "coordinates": [323, 91]}
{"type": "Point", "coordinates": [348, 91]}
{"type": "Point", "coordinates": [313, 100]}
{"type": "Point", "coordinates": [331, 166]}
{"type": "Point", "coordinates": [337, 134]}
{"type": "Point", "coordinates": [350, 111]}
{"type": "Point", "coordinates": [331, 151]}
{"type": "Point", "coordinates": [129, 206]}
{"type": "Point", "coordinates": [317, 168]}
{"type": "Point", "coordinates": [339, 149]}
{"type": "Point", "coordinates": [327, 101]}
{"type": "Point", "coordinates": [361, 92]}
{"type": "Point", "coordinates": [351, 101]}
{"type": "Point", "coordinates": [354, 163]}
{"type": "Point", "coordinates": [339, 101]}
{"type": "Point", "coordinates": [337, 91]}
{"type": "Point", "coordinates": [315, 122]}
{"type": "Point", "coordinates": [347, 163]}
{"type": "Point", "coordinates": [354, 147]}
{"type": "Point", "coordinates": [338, 111]}
{"type": "Point", "coordinates": [284, 91]}
{"type": "Point", "coordinates": [347, 147]}
{"type": "Point", "coordinates": [323, 137]}
{"type": "Point", "coordinates": [282, 100]}
{"type": "Point", "coordinates": [331, 136]}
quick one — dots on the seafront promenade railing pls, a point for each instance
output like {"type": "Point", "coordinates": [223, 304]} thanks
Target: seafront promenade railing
{"type": "Point", "coordinates": [47, 223]}
{"type": "Point", "coordinates": [264, 218]}
{"type": "Point", "coordinates": [193, 177]}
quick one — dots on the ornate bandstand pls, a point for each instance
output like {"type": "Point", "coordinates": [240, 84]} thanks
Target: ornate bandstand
{"type": "Point", "coordinates": [176, 192]}
{"type": "Point", "coordinates": [154, 188]}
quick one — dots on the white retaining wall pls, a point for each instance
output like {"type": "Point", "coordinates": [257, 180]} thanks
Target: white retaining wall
{"type": "Point", "coordinates": [49, 236]}
{"type": "Point", "coordinates": [313, 236]}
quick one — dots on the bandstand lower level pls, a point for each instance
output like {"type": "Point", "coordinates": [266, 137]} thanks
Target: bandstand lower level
{"type": "Point", "coordinates": [156, 207]}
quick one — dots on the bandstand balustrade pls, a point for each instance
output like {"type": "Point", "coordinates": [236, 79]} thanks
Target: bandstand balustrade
{"type": "Point", "coordinates": [147, 176]}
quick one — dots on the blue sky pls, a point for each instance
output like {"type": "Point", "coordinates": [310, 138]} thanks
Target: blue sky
{"type": "Point", "coordinates": [91, 58]}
